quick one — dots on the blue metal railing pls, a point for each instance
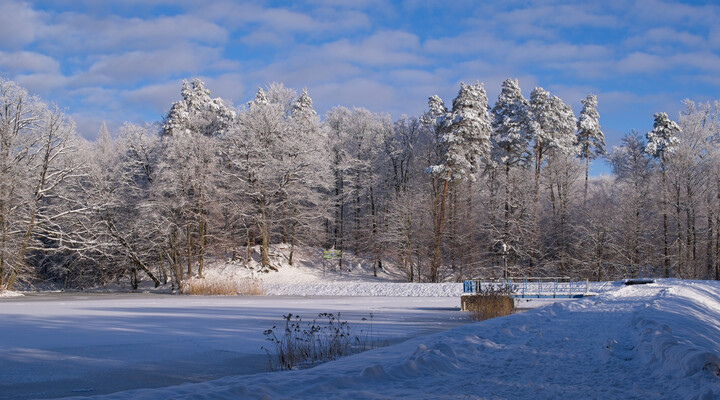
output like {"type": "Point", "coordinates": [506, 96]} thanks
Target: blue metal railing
{"type": "Point", "coordinates": [531, 287]}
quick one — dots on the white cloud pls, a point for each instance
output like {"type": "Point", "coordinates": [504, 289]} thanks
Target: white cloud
{"type": "Point", "coordinates": [639, 62]}
{"type": "Point", "coordinates": [18, 24]}
{"type": "Point", "coordinates": [42, 83]}
{"type": "Point", "coordinates": [156, 97]}
{"type": "Point", "coordinates": [385, 48]}
{"type": "Point", "coordinates": [72, 32]}
{"type": "Point", "coordinates": [659, 12]}
{"type": "Point", "coordinates": [139, 65]}
{"type": "Point", "coordinates": [258, 18]}
{"type": "Point", "coordinates": [665, 39]}
{"type": "Point", "coordinates": [544, 20]}
{"type": "Point", "coordinates": [361, 92]}
{"type": "Point", "coordinates": [27, 61]}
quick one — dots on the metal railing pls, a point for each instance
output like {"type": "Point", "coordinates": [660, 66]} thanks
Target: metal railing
{"type": "Point", "coordinates": [531, 287]}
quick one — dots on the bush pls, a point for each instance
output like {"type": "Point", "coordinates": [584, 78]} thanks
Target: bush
{"type": "Point", "coordinates": [304, 345]}
{"type": "Point", "coordinates": [213, 287]}
{"type": "Point", "coordinates": [489, 303]}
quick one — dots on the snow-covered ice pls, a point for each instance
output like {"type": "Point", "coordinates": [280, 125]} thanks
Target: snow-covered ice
{"type": "Point", "coordinates": [55, 345]}
{"type": "Point", "coordinates": [654, 341]}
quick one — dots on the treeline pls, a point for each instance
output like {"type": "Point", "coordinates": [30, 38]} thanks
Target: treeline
{"type": "Point", "coordinates": [467, 190]}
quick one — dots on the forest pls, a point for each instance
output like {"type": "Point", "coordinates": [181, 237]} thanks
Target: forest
{"type": "Point", "coordinates": [468, 189]}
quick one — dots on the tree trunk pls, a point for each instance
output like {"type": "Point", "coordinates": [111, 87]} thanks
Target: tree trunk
{"type": "Point", "coordinates": [666, 251]}
{"type": "Point", "coordinates": [374, 240]}
{"type": "Point", "coordinates": [709, 256]}
{"type": "Point", "coordinates": [439, 226]}
{"type": "Point", "coordinates": [506, 222]}
{"type": "Point", "coordinates": [293, 222]}
{"type": "Point", "coordinates": [264, 239]}
{"type": "Point", "coordinates": [201, 250]}
{"type": "Point", "coordinates": [587, 173]}
{"type": "Point", "coordinates": [536, 216]}
{"type": "Point", "coordinates": [188, 237]}
{"type": "Point", "coordinates": [681, 267]}
{"type": "Point", "coordinates": [248, 236]}
{"type": "Point", "coordinates": [556, 217]}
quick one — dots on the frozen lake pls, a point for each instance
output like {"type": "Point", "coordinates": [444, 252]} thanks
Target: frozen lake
{"type": "Point", "coordinates": [70, 344]}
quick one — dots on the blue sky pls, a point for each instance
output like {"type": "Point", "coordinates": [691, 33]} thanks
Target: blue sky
{"type": "Point", "coordinates": [124, 60]}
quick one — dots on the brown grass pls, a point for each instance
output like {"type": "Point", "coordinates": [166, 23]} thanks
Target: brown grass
{"type": "Point", "coordinates": [210, 287]}
{"type": "Point", "coordinates": [488, 305]}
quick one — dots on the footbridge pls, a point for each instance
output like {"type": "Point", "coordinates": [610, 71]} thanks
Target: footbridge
{"type": "Point", "coordinates": [530, 287]}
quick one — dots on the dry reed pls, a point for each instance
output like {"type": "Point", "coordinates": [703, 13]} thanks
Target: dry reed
{"type": "Point", "coordinates": [212, 287]}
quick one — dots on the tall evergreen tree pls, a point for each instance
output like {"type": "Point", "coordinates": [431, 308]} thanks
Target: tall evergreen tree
{"type": "Point", "coordinates": [590, 138]}
{"type": "Point", "coordinates": [662, 140]}
{"type": "Point", "coordinates": [553, 132]}
{"type": "Point", "coordinates": [511, 139]}
{"type": "Point", "coordinates": [464, 134]}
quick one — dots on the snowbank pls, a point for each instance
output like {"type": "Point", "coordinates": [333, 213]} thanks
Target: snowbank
{"type": "Point", "coordinates": [9, 293]}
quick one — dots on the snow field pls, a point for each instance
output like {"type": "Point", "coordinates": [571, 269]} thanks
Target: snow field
{"type": "Point", "coordinates": [657, 341]}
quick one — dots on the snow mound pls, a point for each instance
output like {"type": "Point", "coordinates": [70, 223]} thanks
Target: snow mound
{"type": "Point", "coordinates": [10, 293]}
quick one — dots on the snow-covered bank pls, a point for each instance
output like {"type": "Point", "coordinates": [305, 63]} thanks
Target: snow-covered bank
{"type": "Point", "coordinates": [657, 341]}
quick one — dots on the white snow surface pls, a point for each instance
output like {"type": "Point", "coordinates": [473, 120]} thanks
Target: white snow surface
{"type": "Point", "coordinates": [9, 293]}
{"type": "Point", "coordinates": [653, 341]}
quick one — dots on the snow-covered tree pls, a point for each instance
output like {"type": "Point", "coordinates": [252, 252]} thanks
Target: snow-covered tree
{"type": "Point", "coordinates": [661, 141]}
{"type": "Point", "coordinates": [277, 167]}
{"type": "Point", "coordinates": [663, 138]}
{"type": "Point", "coordinates": [307, 166]}
{"type": "Point", "coordinates": [356, 137]}
{"type": "Point", "coordinates": [37, 143]}
{"type": "Point", "coordinates": [553, 133]}
{"type": "Point", "coordinates": [691, 182]}
{"type": "Point", "coordinates": [189, 162]}
{"type": "Point", "coordinates": [466, 131]}
{"type": "Point", "coordinates": [115, 234]}
{"type": "Point", "coordinates": [633, 170]}
{"type": "Point", "coordinates": [511, 139]}
{"type": "Point", "coordinates": [197, 112]}
{"type": "Point", "coordinates": [590, 138]}
{"type": "Point", "coordinates": [511, 126]}
{"type": "Point", "coordinates": [464, 136]}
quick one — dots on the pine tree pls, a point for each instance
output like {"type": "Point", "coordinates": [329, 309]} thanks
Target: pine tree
{"type": "Point", "coordinates": [662, 141]}
{"type": "Point", "coordinates": [590, 138]}
{"type": "Point", "coordinates": [511, 126]}
{"type": "Point", "coordinates": [553, 133]}
{"type": "Point", "coordinates": [197, 112]}
{"type": "Point", "coordinates": [464, 136]}
{"type": "Point", "coordinates": [511, 139]}
{"type": "Point", "coordinates": [466, 133]}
